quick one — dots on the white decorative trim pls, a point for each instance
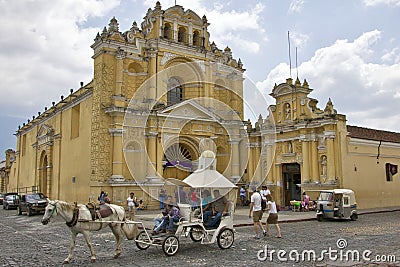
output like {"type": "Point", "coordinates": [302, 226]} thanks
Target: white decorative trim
{"type": "Point", "coordinates": [166, 57]}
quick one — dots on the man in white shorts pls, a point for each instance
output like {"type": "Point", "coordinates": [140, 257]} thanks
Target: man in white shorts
{"type": "Point", "coordinates": [255, 208]}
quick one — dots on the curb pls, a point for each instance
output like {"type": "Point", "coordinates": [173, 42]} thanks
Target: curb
{"type": "Point", "coordinates": [279, 221]}
{"type": "Point", "coordinates": [313, 219]}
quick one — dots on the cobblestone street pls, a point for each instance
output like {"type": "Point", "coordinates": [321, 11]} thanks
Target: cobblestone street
{"type": "Point", "coordinates": [26, 242]}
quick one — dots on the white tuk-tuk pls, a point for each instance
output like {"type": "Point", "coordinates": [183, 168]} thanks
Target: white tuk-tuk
{"type": "Point", "coordinates": [336, 204]}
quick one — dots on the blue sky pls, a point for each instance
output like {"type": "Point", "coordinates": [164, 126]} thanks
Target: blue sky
{"type": "Point", "coordinates": [348, 51]}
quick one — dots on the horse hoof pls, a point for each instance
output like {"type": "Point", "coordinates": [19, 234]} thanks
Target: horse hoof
{"type": "Point", "coordinates": [117, 255]}
{"type": "Point", "coordinates": [92, 260]}
{"type": "Point", "coordinates": [65, 262]}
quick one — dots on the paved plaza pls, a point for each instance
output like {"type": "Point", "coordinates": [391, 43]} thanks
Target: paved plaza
{"type": "Point", "coordinates": [376, 235]}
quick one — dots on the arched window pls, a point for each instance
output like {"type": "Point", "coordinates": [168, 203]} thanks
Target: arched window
{"type": "Point", "coordinates": [174, 93]}
{"type": "Point", "coordinates": [178, 155]}
{"type": "Point", "coordinates": [196, 38]}
{"type": "Point", "coordinates": [167, 31]}
{"type": "Point", "coordinates": [182, 35]}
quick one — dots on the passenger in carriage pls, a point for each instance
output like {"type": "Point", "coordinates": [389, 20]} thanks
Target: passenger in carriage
{"type": "Point", "coordinates": [219, 207]}
{"type": "Point", "coordinates": [159, 219]}
{"type": "Point", "coordinates": [206, 201]}
{"type": "Point", "coordinates": [173, 216]}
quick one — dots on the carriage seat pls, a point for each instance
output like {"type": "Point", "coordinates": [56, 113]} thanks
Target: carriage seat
{"type": "Point", "coordinates": [186, 212]}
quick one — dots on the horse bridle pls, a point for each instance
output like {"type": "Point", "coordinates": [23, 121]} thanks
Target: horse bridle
{"type": "Point", "coordinates": [54, 210]}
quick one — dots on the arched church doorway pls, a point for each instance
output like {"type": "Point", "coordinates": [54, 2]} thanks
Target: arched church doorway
{"type": "Point", "coordinates": [291, 182]}
{"type": "Point", "coordinates": [43, 174]}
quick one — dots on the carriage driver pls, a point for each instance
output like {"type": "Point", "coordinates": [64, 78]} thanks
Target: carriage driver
{"type": "Point", "coordinates": [219, 207]}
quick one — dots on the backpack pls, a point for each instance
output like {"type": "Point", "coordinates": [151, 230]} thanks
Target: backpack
{"type": "Point", "coordinates": [263, 203]}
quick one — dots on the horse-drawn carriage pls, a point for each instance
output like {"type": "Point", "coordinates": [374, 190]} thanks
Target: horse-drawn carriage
{"type": "Point", "coordinates": [79, 218]}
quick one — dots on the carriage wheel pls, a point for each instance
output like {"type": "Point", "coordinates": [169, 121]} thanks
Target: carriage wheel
{"type": "Point", "coordinates": [19, 211]}
{"type": "Point", "coordinates": [170, 245]}
{"type": "Point", "coordinates": [225, 238]}
{"type": "Point", "coordinates": [196, 234]}
{"type": "Point", "coordinates": [142, 237]}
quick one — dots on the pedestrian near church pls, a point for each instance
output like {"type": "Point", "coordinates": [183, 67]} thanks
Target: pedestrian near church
{"type": "Point", "coordinates": [255, 209]}
{"type": "Point", "coordinates": [162, 196]}
{"type": "Point", "coordinates": [265, 192]}
{"type": "Point", "coordinates": [243, 195]}
{"type": "Point", "coordinates": [131, 202]}
{"type": "Point", "coordinates": [272, 216]}
{"type": "Point", "coordinates": [100, 198]}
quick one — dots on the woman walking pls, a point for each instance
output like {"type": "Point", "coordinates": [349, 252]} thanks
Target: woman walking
{"type": "Point", "coordinates": [272, 217]}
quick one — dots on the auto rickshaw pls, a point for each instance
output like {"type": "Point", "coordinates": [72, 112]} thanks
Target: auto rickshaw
{"type": "Point", "coordinates": [337, 204]}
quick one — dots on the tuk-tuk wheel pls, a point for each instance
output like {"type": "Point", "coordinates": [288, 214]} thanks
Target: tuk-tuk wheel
{"type": "Point", "coordinates": [225, 238]}
{"type": "Point", "coordinates": [354, 217]}
{"type": "Point", "coordinates": [19, 211]}
{"type": "Point", "coordinates": [170, 245]}
{"type": "Point", "coordinates": [320, 217]}
{"type": "Point", "coordinates": [142, 237]}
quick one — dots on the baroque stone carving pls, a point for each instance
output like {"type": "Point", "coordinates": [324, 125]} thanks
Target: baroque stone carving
{"type": "Point", "coordinates": [167, 57]}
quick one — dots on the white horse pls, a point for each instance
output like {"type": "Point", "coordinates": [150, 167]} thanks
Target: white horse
{"type": "Point", "coordinates": [79, 220]}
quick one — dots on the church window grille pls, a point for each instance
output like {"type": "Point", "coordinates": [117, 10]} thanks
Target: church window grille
{"type": "Point", "coordinates": [174, 94]}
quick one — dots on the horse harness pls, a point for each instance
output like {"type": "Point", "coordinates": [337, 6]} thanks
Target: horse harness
{"type": "Point", "coordinates": [75, 216]}
{"type": "Point", "coordinates": [96, 211]}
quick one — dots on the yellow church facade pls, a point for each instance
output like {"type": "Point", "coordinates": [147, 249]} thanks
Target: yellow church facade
{"type": "Point", "coordinates": [160, 95]}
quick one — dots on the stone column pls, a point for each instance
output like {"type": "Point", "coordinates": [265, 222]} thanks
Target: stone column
{"type": "Point", "coordinates": [151, 156]}
{"type": "Point", "coordinates": [305, 174]}
{"type": "Point", "coordinates": [314, 162]}
{"type": "Point", "coordinates": [259, 164]}
{"type": "Point", "coordinates": [119, 71]}
{"type": "Point", "coordinates": [175, 35]}
{"type": "Point", "coordinates": [235, 160]}
{"type": "Point", "coordinates": [117, 156]}
{"type": "Point", "coordinates": [152, 91]}
{"type": "Point", "coordinates": [330, 161]}
{"type": "Point", "coordinates": [190, 34]}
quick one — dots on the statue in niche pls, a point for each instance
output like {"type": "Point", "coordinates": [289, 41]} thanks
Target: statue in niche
{"type": "Point", "coordinates": [324, 165]}
{"type": "Point", "coordinates": [287, 111]}
{"type": "Point", "coordinates": [290, 147]}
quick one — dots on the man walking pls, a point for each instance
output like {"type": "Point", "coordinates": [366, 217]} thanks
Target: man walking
{"type": "Point", "coordinates": [255, 208]}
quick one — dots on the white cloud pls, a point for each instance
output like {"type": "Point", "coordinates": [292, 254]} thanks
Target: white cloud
{"type": "Point", "coordinates": [44, 50]}
{"type": "Point", "coordinates": [296, 6]}
{"type": "Point", "coordinates": [364, 91]}
{"type": "Point", "coordinates": [298, 39]}
{"type": "Point", "coordinates": [381, 2]}
{"type": "Point", "coordinates": [228, 24]}
{"type": "Point", "coordinates": [391, 56]}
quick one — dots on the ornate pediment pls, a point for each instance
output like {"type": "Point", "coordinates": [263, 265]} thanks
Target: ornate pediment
{"type": "Point", "coordinates": [190, 109]}
{"type": "Point", "coordinates": [45, 135]}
